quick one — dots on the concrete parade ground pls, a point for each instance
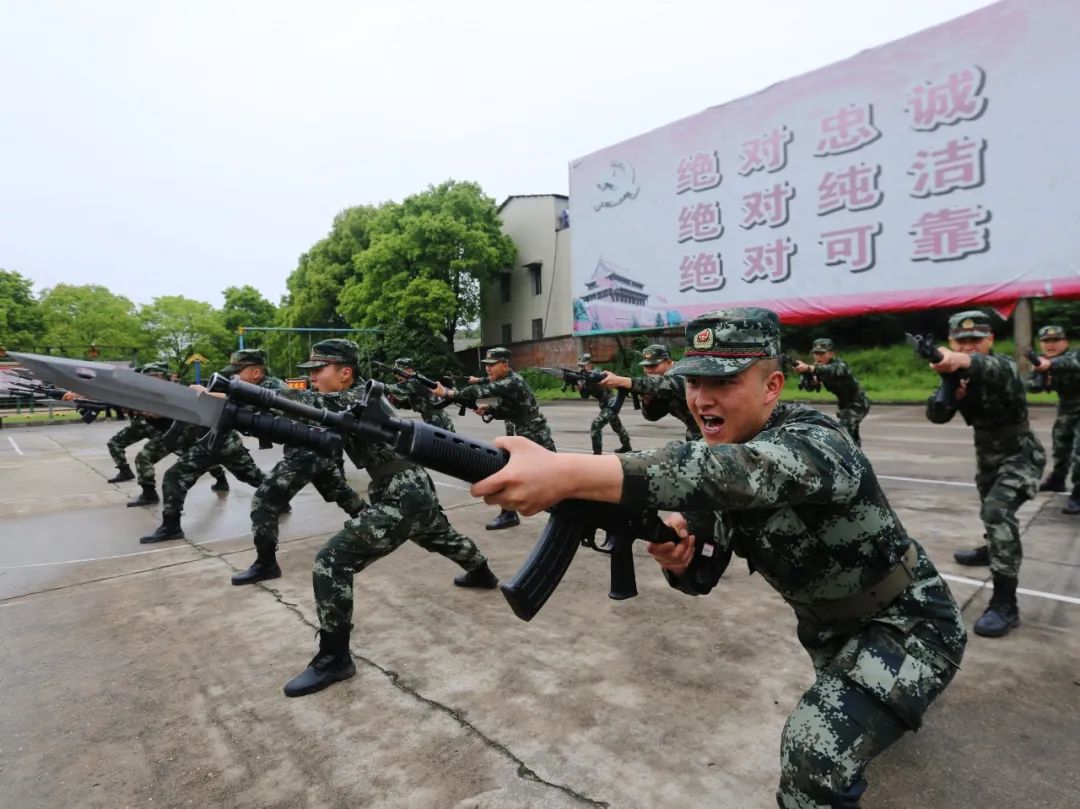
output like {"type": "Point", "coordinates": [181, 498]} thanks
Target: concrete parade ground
{"type": "Point", "coordinates": [136, 675]}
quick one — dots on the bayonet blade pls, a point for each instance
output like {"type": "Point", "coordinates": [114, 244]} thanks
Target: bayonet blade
{"type": "Point", "coordinates": [124, 387]}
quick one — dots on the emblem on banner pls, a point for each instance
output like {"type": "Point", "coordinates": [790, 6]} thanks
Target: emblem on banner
{"type": "Point", "coordinates": [703, 339]}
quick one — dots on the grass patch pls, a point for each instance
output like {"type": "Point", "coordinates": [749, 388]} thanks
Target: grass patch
{"type": "Point", "coordinates": [40, 417]}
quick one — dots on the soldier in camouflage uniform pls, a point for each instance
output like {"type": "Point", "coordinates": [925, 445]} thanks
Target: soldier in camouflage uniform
{"type": "Point", "coordinates": [516, 406]}
{"type": "Point", "coordinates": [607, 415]}
{"type": "Point", "coordinates": [179, 439]}
{"type": "Point", "coordinates": [412, 394]}
{"type": "Point", "coordinates": [140, 427]}
{"type": "Point", "coordinates": [1009, 457]}
{"type": "Point", "coordinates": [248, 364]}
{"type": "Point", "coordinates": [403, 507]}
{"type": "Point", "coordinates": [786, 488]}
{"type": "Point", "coordinates": [851, 402]}
{"type": "Point", "coordinates": [1060, 369]}
{"type": "Point", "coordinates": [662, 394]}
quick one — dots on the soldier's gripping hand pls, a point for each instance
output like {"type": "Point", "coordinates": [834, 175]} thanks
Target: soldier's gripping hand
{"type": "Point", "coordinates": [611, 380]}
{"type": "Point", "coordinates": [475, 380]}
{"type": "Point", "coordinates": [801, 367]}
{"type": "Point", "coordinates": [69, 396]}
{"type": "Point", "coordinates": [1043, 365]}
{"type": "Point", "coordinates": [951, 361]}
{"type": "Point", "coordinates": [675, 558]}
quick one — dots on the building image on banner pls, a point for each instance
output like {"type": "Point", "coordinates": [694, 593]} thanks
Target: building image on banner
{"type": "Point", "coordinates": [938, 170]}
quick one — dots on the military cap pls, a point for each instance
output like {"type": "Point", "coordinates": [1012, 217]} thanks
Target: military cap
{"type": "Point", "coordinates": [971, 323]}
{"type": "Point", "coordinates": [725, 342]}
{"type": "Point", "coordinates": [403, 362]}
{"type": "Point", "coordinates": [154, 368]}
{"type": "Point", "coordinates": [654, 355]}
{"type": "Point", "coordinates": [244, 358]}
{"type": "Point", "coordinates": [335, 351]}
{"type": "Point", "coordinates": [1051, 333]}
{"type": "Point", "coordinates": [495, 355]}
{"type": "Point", "coordinates": [584, 359]}
{"type": "Point", "coordinates": [823, 344]}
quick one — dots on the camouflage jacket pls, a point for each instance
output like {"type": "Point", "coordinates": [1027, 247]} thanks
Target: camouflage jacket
{"type": "Point", "coordinates": [665, 395]}
{"type": "Point", "coordinates": [412, 394]}
{"type": "Point", "coordinates": [516, 405]}
{"type": "Point", "coordinates": [1064, 376]}
{"type": "Point", "coordinates": [995, 403]}
{"type": "Point", "coordinates": [801, 504]}
{"type": "Point", "coordinates": [838, 380]}
{"type": "Point", "coordinates": [604, 396]}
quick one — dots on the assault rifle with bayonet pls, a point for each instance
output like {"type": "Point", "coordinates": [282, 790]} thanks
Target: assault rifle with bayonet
{"type": "Point", "coordinates": [248, 408]}
{"type": "Point", "coordinates": [578, 380]}
{"type": "Point", "coordinates": [1040, 380]}
{"type": "Point", "coordinates": [808, 381]}
{"type": "Point", "coordinates": [88, 409]}
{"type": "Point", "coordinates": [945, 395]}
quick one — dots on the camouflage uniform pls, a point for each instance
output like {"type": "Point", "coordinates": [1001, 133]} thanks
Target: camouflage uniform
{"type": "Point", "coordinates": [606, 398]}
{"type": "Point", "coordinates": [157, 448]}
{"type": "Point", "coordinates": [800, 502]}
{"type": "Point", "coordinates": [516, 406]}
{"type": "Point", "coordinates": [1064, 378]}
{"type": "Point", "coordinates": [412, 394]}
{"type": "Point", "coordinates": [137, 429]}
{"type": "Point", "coordinates": [851, 401]}
{"type": "Point", "coordinates": [1008, 455]}
{"type": "Point", "coordinates": [664, 395]}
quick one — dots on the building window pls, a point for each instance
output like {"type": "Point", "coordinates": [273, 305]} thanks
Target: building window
{"type": "Point", "coordinates": [504, 287]}
{"type": "Point", "coordinates": [534, 271]}
{"type": "Point", "coordinates": [538, 328]}
{"type": "Point", "coordinates": [506, 333]}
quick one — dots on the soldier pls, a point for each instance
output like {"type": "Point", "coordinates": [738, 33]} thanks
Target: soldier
{"type": "Point", "coordinates": [607, 415]}
{"type": "Point", "coordinates": [1061, 370]}
{"type": "Point", "coordinates": [138, 429]}
{"type": "Point", "coordinates": [412, 394]}
{"type": "Point", "coordinates": [851, 402]}
{"type": "Point", "coordinates": [297, 467]}
{"type": "Point", "coordinates": [785, 487]}
{"type": "Point", "coordinates": [661, 393]}
{"type": "Point", "coordinates": [516, 405]}
{"type": "Point", "coordinates": [403, 507]}
{"type": "Point", "coordinates": [249, 364]}
{"type": "Point", "coordinates": [1009, 457]}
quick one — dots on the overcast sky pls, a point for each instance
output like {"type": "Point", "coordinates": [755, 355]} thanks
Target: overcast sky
{"type": "Point", "coordinates": [180, 148]}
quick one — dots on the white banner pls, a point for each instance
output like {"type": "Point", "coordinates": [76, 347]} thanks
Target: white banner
{"type": "Point", "coordinates": [939, 170]}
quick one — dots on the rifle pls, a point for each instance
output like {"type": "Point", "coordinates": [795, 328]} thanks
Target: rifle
{"type": "Point", "coordinates": [572, 523]}
{"type": "Point", "coordinates": [945, 395]}
{"type": "Point", "coordinates": [578, 379]}
{"type": "Point", "coordinates": [1040, 381]}
{"type": "Point", "coordinates": [808, 382]}
{"type": "Point", "coordinates": [88, 409]}
{"type": "Point", "coordinates": [430, 384]}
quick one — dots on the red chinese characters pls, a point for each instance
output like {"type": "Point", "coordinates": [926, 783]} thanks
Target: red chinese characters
{"type": "Point", "coordinates": [698, 172]}
{"type": "Point", "coordinates": [851, 246]}
{"type": "Point", "coordinates": [854, 188]}
{"type": "Point", "coordinates": [768, 261]}
{"type": "Point", "coordinates": [767, 207]}
{"type": "Point", "coordinates": [957, 98]}
{"type": "Point", "coordinates": [700, 222]}
{"type": "Point", "coordinates": [959, 164]}
{"type": "Point", "coordinates": [767, 153]}
{"type": "Point", "coordinates": [950, 233]}
{"type": "Point", "coordinates": [851, 128]}
{"type": "Point", "coordinates": [703, 272]}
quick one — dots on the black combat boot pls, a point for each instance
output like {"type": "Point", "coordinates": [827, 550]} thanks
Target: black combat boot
{"type": "Point", "coordinates": [263, 568]}
{"type": "Point", "coordinates": [1055, 482]}
{"type": "Point", "coordinates": [481, 578]}
{"type": "Point", "coordinates": [625, 447]}
{"type": "Point", "coordinates": [332, 663]}
{"type": "Point", "coordinates": [221, 484]}
{"type": "Point", "coordinates": [125, 473]}
{"type": "Point", "coordinates": [148, 497]}
{"type": "Point", "coordinates": [1072, 506]}
{"type": "Point", "coordinates": [506, 519]}
{"type": "Point", "coordinates": [1003, 614]}
{"type": "Point", "coordinates": [169, 529]}
{"type": "Point", "coordinates": [977, 557]}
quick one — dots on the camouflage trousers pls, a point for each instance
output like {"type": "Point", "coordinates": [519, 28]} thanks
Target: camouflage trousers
{"type": "Point", "coordinates": [1007, 477]}
{"type": "Point", "coordinates": [538, 433]}
{"type": "Point", "coordinates": [607, 416]}
{"type": "Point", "coordinates": [196, 461]}
{"type": "Point", "coordinates": [851, 416]}
{"type": "Point", "coordinates": [1066, 450]}
{"type": "Point", "coordinates": [135, 432]}
{"type": "Point", "coordinates": [153, 451]}
{"type": "Point", "coordinates": [295, 470]}
{"type": "Point", "coordinates": [871, 688]}
{"type": "Point", "coordinates": [404, 507]}
{"type": "Point", "coordinates": [438, 418]}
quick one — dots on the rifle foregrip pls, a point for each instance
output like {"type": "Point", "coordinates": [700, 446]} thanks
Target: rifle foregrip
{"type": "Point", "coordinates": [284, 430]}
{"type": "Point", "coordinates": [456, 455]}
{"type": "Point", "coordinates": [537, 579]}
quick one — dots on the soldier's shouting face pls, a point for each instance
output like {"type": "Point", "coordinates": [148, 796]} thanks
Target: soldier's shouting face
{"type": "Point", "coordinates": [733, 409]}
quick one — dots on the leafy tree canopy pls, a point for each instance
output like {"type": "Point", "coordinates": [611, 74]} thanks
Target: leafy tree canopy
{"type": "Point", "coordinates": [21, 324]}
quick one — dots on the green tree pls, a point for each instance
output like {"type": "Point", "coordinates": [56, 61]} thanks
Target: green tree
{"type": "Point", "coordinates": [76, 317]}
{"type": "Point", "coordinates": [245, 306]}
{"type": "Point", "coordinates": [21, 324]}
{"type": "Point", "coordinates": [180, 327]}
{"type": "Point", "coordinates": [426, 260]}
